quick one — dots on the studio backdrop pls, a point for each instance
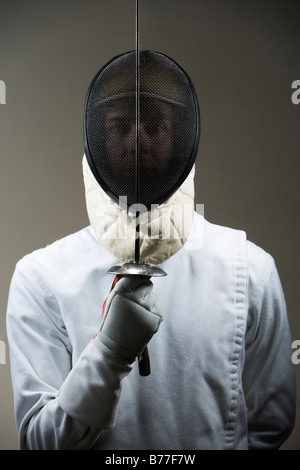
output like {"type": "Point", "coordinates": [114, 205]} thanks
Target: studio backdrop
{"type": "Point", "coordinates": [243, 58]}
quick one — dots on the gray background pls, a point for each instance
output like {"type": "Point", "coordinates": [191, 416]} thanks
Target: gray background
{"type": "Point", "coordinates": [242, 57]}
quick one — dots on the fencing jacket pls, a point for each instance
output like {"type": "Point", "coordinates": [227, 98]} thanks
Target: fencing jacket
{"type": "Point", "coordinates": [221, 370]}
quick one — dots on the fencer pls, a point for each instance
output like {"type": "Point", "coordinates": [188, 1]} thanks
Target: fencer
{"type": "Point", "coordinates": [216, 326]}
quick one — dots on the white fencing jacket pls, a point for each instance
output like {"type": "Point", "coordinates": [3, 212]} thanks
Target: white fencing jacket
{"type": "Point", "coordinates": [221, 370]}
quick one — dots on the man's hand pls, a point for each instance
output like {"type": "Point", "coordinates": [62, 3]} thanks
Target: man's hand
{"type": "Point", "coordinates": [130, 319]}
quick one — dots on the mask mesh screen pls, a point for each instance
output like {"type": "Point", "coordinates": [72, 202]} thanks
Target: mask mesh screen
{"type": "Point", "coordinates": [169, 127]}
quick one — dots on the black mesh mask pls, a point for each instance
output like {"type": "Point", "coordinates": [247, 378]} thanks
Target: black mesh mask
{"type": "Point", "coordinates": [169, 127]}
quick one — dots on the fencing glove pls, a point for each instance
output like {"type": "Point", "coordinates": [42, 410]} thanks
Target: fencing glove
{"type": "Point", "coordinates": [130, 319]}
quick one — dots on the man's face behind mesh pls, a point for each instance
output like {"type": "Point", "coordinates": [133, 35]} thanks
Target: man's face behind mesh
{"type": "Point", "coordinates": [156, 137]}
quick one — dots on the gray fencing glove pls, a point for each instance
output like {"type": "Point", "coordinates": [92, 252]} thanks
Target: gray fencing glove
{"type": "Point", "coordinates": [130, 319]}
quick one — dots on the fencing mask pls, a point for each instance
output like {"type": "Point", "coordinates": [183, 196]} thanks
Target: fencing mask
{"type": "Point", "coordinates": [168, 135]}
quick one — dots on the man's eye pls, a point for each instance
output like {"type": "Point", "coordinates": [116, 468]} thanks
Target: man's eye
{"type": "Point", "coordinates": [120, 129]}
{"type": "Point", "coordinates": [155, 129]}
{"type": "Point", "coordinates": [124, 128]}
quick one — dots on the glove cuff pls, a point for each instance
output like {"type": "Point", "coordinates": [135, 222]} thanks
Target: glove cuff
{"type": "Point", "coordinates": [115, 351]}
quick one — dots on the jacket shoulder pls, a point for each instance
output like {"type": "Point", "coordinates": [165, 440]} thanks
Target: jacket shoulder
{"type": "Point", "coordinates": [224, 239]}
{"type": "Point", "coordinates": [60, 252]}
